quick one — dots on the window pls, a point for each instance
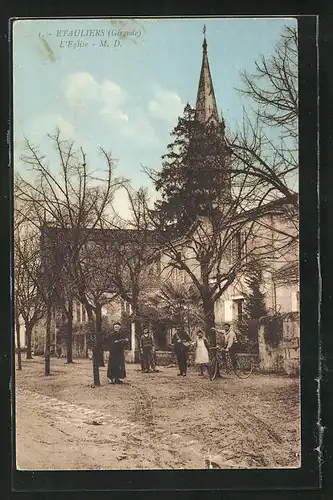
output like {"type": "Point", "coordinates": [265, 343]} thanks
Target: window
{"type": "Point", "coordinates": [239, 309]}
{"type": "Point", "coordinates": [295, 301]}
{"type": "Point", "coordinates": [238, 247]}
{"type": "Point", "coordinates": [235, 250]}
{"type": "Point", "coordinates": [84, 315]}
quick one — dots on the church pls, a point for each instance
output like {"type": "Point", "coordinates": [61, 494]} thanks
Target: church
{"type": "Point", "coordinates": [272, 238]}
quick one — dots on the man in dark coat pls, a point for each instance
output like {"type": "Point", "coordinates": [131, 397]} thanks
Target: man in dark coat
{"type": "Point", "coordinates": [116, 365]}
{"type": "Point", "coordinates": [181, 343]}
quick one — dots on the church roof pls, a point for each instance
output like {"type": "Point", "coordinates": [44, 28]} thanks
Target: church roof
{"type": "Point", "coordinates": [206, 109]}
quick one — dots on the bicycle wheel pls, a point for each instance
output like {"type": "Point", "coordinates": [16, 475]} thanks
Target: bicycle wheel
{"type": "Point", "coordinates": [213, 368]}
{"type": "Point", "coordinates": [243, 366]}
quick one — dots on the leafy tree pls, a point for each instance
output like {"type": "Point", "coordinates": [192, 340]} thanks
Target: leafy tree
{"type": "Point", "coordinates": [176, 304]}
{"type": "Point", "coordinates": [194, 178]}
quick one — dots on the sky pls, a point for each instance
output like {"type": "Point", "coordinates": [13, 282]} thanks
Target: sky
{"type": "Point", "coordinates": [122, 84]}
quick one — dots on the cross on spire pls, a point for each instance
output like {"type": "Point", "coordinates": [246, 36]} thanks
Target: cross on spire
{"type": "Point", "coordinates": [204, 30]}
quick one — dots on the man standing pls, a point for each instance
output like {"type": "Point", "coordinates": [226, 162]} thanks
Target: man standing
{"type": "Point", "coordinates": [181, 343]}
{"type": "Point", "coordinates": [230, 340]}
{"type": "Point", "coordinates": [116, 365]}
{"type": "Point", "coordinates": [147, 351]}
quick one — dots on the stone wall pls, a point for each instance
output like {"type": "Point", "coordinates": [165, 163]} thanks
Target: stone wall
{"type": "Point", "coordinates": [284, 357]}
{"type": "Point", "coordinates": [290, 347]}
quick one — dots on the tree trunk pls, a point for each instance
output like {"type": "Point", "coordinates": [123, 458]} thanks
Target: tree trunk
{"type": "Point", "coordinates": [99, 346]}
{"type": "Point", "coordinates": [95, 363]}
{"type": "Point", "coordinates": [70, 332]}
{"type": "Point", "coordinates": [18, 342]}
{"type": "Point", "coordinates": [28, 330]}
{"type": "Point", "coordinates": [48, 335]}
{"type": "Point", "coordinates": [208, 307]}
{"type": "Point", "coordinates": [85, 347]}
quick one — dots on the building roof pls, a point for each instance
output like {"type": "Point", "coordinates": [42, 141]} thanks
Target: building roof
{"type": "Point", "coordinates": [116, 235]}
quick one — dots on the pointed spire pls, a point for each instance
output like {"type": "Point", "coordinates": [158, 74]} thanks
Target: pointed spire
{"type": "Point", "coordinates": [206, 109]}
{"type": "Point", "coordinates": [204, 44]}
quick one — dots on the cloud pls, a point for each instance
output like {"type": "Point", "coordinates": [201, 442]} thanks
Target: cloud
{"type": "Point", "coordinates": [165, 105]}
{"type": "Point", "coordinates": [82, 90]}
{"type": "Point", "coordinates": [48, 123]}
{"type": "Point", "coordinates": [108, 100]}
{"type": "Point", "coordinates": [79, 89]}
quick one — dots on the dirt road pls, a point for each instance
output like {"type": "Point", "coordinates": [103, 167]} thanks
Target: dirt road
{"type": "Point", "coordinates": [153, 421]}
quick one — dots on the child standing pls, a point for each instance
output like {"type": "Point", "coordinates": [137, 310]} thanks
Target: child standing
{"type": "Point", "coordinates": [201, 351]}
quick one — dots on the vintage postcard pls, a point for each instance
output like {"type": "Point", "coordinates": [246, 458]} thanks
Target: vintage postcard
{"type": "Point", "coordinates": [156, 244]}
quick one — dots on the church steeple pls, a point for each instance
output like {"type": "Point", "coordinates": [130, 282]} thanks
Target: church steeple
{"type": "Point", "coordinates": [206, 109]}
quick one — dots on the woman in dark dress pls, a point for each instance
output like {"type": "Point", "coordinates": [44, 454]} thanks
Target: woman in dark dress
{"type": "Point", "coordinates": [116, 365]}
{"type": "Point", "coordinates": [181, 343]}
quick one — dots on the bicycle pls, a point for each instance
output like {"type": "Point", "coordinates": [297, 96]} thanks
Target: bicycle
{"type": "Point", "coordinates": [221, 362]}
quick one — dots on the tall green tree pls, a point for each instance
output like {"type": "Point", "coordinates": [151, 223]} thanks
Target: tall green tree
{"type": "Point", "coordinates": [254, 305]}
{"type": "Point", "coordinates": [193, 180]}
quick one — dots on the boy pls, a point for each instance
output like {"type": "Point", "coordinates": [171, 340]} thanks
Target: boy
{"type": "Point", "coordinates": [227, 339]}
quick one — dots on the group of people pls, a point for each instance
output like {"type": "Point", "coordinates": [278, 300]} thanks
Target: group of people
{"type": "Point", "coordinates": [181, 343]}
{"type": "Point", "coordinates": [117, 342]}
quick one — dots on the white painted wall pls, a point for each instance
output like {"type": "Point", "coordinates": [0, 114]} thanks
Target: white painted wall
{"type": "Point", "coordinates": [22, 334]}
{"type": "Point", "coordinates": [228, 310]}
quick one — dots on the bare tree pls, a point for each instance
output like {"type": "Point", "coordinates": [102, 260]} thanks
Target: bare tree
{"type": "Point", "coordinates": [67, 204]}
{"type": "Point", "coordinates": [29, 300]}
{"type": "Point", "coordinates": [94, 270]}
{"type": "Point", "coordinates": [266, 147]}
{"type": "Point", "coordinates": [217, 249]}
{"type": "Point", "coordinates": [132, 255]}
